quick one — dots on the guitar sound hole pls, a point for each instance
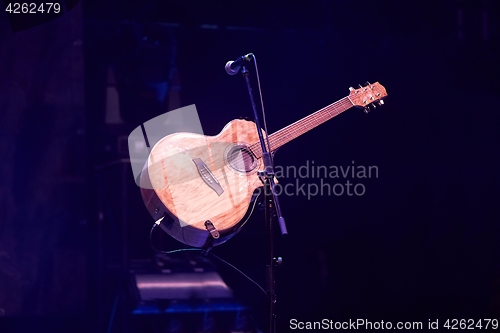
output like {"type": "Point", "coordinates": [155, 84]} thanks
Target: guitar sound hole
{"type": "Point", "coordinates": [241, 159]}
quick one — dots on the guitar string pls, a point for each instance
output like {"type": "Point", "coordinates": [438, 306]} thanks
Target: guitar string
{"type": "Point", "coordinates": [308, 123]}
{"type": "Point", "coordinates": [283, 136]}
{"type": "Point", "coordinates": [303, 125]}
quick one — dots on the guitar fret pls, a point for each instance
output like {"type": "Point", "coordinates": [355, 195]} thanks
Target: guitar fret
{"type": "Point", "coordinates": [303, 125]}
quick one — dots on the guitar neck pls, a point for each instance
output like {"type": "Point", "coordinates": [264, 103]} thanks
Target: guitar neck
{"type": "Point", "coordinates": [303, 125]}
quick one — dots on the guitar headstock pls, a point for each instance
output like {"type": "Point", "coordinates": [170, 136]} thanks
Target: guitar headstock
{"type": "Point", "coordinates": [368, 95]}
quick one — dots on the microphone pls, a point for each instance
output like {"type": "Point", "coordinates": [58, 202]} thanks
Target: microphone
{"type": "Point", "coordinates": [233, 67]}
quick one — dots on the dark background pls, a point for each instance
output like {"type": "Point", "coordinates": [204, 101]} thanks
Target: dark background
{"type": "Point", "coordinates": [421, 243]}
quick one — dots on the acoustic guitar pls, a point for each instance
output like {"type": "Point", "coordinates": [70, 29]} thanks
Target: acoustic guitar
{"type": "Point", "coordinates": [199, 188]}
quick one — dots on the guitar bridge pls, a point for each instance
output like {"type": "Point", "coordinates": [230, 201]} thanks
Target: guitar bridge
{"type": "Point", "coordinates": [207, 176]}
{"type": "Point", "coordinates": [211, 228]}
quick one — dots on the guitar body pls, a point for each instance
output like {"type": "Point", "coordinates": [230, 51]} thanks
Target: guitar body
{"type": "Point", "coordinates": [191, 178]}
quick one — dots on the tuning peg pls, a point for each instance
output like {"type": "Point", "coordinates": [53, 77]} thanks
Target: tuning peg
{"type": "Point", "coordinates": [351, 89]}
{"type": "Point", "coordinates": [381, 102]}
{"type": "Point", "coordinates": [367, 83]}
{"type": "Point", "coordinates": [364, 88]}
{"type": "Point", "coordinates": [366, 109]}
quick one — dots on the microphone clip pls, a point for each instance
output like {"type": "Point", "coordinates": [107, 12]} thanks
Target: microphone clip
{"type": "Point", "coordinates": [233, 67]}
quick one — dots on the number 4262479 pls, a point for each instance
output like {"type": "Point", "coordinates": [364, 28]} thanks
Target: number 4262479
{"type": "Point", "coordinates": [33, 8]}
{"type": "Point", "coordinates": [455, 324]}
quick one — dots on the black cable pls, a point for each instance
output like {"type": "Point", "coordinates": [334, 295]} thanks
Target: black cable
{"type": "Point", "coordinates": [204, 253]}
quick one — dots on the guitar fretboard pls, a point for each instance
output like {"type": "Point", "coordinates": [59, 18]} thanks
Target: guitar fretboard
{"type": "Point", "coordinates": [287, 134]}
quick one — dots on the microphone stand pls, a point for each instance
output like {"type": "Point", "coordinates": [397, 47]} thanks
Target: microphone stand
{"type": "Point", "coordinates": [272, 208]}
